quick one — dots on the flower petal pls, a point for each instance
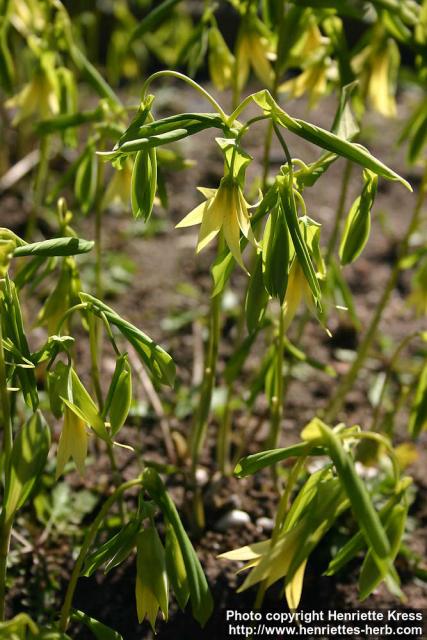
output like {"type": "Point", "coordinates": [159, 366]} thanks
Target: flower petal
{"type": "Point", "coordinates": [232, 236]}
{"type": "Point", "coordinates": [194, 217]}
{"type": "Point", "coordinates": [211, 223]}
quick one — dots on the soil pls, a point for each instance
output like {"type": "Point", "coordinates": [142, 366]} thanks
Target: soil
{"type": "Point", "coordinates": [167, 282]}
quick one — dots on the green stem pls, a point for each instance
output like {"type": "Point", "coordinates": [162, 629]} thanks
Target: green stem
{"type": "Point", "coordinates": [189, 81]}
{"type": "Point", "coordinates": [5, 527]}
{"type": "Point", "coordinates": [224, 435]}
{"type": "Point", "coordinates": [277, 400]}
{"type": "Point", "coordinates": [393, 360]}
{"type": "Point", "coordinates": [339, 215]}
{"type": "Point", "coordinates": [90, 536]}
{"type": "Point", "coordinates": [94, 351]}
{"type": "Point", "coordinates": [39, 185]}
{"type": "Point", "coordinates": [199, 428]}
{"type": "Point", "coordinates": [200, 425]}
{"type": "Point", "coordinates": [98, 233]}
{"type": "Point", "coordinates": [77, 307]}
{"type": "Point", "coordinates": [347, 381]}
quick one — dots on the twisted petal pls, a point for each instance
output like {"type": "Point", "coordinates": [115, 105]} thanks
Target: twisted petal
{"type": "Point", "coordinates": [244, 218]}
{"type": "Point", "coordinates": [212, 221]}
{"type": "Point", "coordinates": [231, 230]}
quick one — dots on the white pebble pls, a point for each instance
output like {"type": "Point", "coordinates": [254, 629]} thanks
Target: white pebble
{"type": "Point", "coordinates": [232, 519]}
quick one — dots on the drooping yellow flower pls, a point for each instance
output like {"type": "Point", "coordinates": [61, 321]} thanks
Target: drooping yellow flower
{"type": "Point", "coordinates": [254, 49]}
{"type": "Point", "coordinates": [270, 561]}
{"type": "Point", "coordinates": [221, 60]}
{"type": "Point", "coordinates": [39, 97]}
{"type": "Point", "coordinates": [73, 443]}
{"type": "Point", "coordinates": [377, 66]}
{"type": "Point", "coordinates": [119, 188]}
{"type": "Point", "coordinates": [225, 209]}
{"type": "Point", "coordinates": [152, 586]}
{"type": "Point", "coordinates": [313, 80]}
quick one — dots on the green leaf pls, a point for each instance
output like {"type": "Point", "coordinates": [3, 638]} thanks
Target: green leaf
{"type": "Point", "coordinates": [300, 245]}
{"type": "Point", "coordinates": [236, 158]}
{"type": "Point", "coordinates": [99, 630]}
{"type": "Point", "coordinates": [154, 19]}
{"type": "Point", "coordinates": [301, 356]}
{"type": "Point", "coordinates": [7, 69]}
{"type": "Point", "coordinates": [86, 184]}
{"type": "Point", "coordinates": [27, 462]}
{"type": "Point", "coordinates": [372, 573]}
{"type": "Point", "coordinates": [358, 542]}
{"type": "Point", "coordinates": [251, 464]}
{"type": "Point", "coordinates": [256, 299]}
{"type": "Point", "coordinates": [327, 140]}
{"type": "Point", "coordinates": [119, 396]}
{"type": "Point", "coordinates": [157, 361]}
{"type": "Point", "coordinates": [59, 386]}
{"type": "Point", "coordinates": [175, 567]}
{"type": "Point", "coordinates": [54, 247]}
{"type": "Point", "coordinates": [362, 506]}
{"type": "Point", "coordinates": [200, 596]}
{"type": "Point", "coordinates": [275, 254]}
{"type": "Point", "coordinates": [221, 270]}
{"type": "Point", "coordinates": [418, 416]}
{"type": "Point", "coordinates": [144, 183]}
{"type": "Point", "coordinates": [82, 405]}
{"type": "Point", "coordinates": [13, 328]}
{"type": "Point", "coordinates": [358, 223]}
{"type": "Point", "coordinates": [114, 550]}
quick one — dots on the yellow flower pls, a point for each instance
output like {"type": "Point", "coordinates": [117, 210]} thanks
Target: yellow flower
{"type": "Point", "coordinates": [151, 587]}
{"type": "Point", "coordinates": [225, 209]}
{"type": "Point", "coordinates": [39, 97]}
{"type": "Point", "coordinates": [254, 50]}
{"type": "Point", "coordinates": [270, 562]}
{"type": "Point", "coordinates": [119, 187]}
{"type": "Point", "coordinates": [312, 80]}
{"type": "Point", "coordinates": [297, 290]}
{"type": "Point", "coordinates": [221, 60]}
{"type": "Point", "coordinates": [377, 65]}
{"type": "Point", "coordinates": [72, 443]}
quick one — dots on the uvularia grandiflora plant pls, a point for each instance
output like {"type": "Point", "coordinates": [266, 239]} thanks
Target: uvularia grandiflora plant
{"type": "Point", "coordinates": [263, 228]}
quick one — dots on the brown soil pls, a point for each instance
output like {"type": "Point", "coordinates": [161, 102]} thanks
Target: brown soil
{"type": "Point", "coordinates": [162, 264]}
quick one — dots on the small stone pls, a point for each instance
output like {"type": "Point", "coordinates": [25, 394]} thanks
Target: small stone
{"type": "Point", "coordinates": [264, 523]}
{"type": "Point", "coordinates": [232, 519]}
{"type": "Point", "coordinates": [202, 476]}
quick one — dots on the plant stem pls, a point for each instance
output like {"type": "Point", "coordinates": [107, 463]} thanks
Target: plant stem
{"type": "Point", "coordinates": [5, 533]}
{"type": "Point", "coordinates": [199, 429]}
{"type": "Point", "coordinates": [5, 527]}
{"type": "Point", "coordinates": [90, 536]}
{"type": "Point", "coordinates": [224, 435]}
{"type": "Point", "coordinates": [198, 433]}
{"type": "Point", "coordinates": [39, 185]}
{"type": "Point", "coordinates": [339, 214]}
{"type": "Point", "coordinates": [94, 351]}
{"type": "Point", "coordinates": [277, 400]}
{"type": "Point", "coordinates": [189, 81]}
{"type": "Point", "coordinates": [336, 402]}
{"type": "Point", "coordinates": [393, 360]}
